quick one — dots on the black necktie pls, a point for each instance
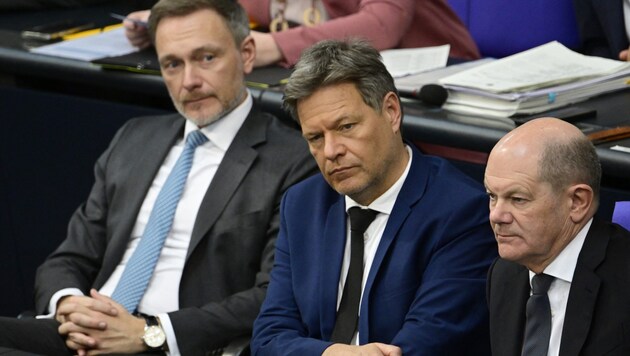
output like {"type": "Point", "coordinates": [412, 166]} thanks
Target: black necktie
{"type": "Point", "coordinates": [348, 313]}
{"type": "Point", "coordinates": [538, 324]}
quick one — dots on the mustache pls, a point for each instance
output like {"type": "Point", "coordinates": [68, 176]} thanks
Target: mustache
{"type": "Point", "coordinates": [195, 96]}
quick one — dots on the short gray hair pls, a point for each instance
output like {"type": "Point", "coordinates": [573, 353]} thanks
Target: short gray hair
{"type": "Point", "coordinates": [334, 62]}
{"type": "Point", "coordinates": [235, 16]}
{"type": "Point", "coordinates": [564, 163]}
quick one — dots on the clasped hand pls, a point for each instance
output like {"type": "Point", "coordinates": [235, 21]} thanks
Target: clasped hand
{"type": "Point", "coordinates": [96, 324]}
{"type": "Point", "coordinates": [373, 349]}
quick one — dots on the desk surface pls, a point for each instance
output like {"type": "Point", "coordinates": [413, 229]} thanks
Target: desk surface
{"type": "Point", "coordinates": [21, 68]}
{"type": "Point", "coordinates": [99, 14]}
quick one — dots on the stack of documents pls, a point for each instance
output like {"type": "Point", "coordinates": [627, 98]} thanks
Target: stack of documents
{"type": "Point", "coordinates": [542, 78]}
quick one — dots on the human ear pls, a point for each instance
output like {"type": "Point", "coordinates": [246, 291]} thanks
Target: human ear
{"type": "Point", "coordinates": [582, 200]}
{"type": "Point", "coordinates": [248, 54]}
{"type": "Point", "coordinates": [393, 111]}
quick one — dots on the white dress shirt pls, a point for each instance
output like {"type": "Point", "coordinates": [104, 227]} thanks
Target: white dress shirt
{"type": "Point", "coordinates": [372, 236]}
{"type": "Point", "coordinates": [162, 294]}
{"type": "Point", "coordinates": [562, 268]}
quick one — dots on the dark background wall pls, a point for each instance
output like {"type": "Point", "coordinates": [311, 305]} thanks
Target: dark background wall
{"type": "Point", "coordinates": [48, 145]}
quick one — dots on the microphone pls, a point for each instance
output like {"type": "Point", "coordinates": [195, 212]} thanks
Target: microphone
{"type": "Point", "coordinates": [430, 94]}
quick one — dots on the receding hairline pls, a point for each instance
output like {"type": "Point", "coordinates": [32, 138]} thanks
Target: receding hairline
{"type": "Point", "coordinates": [230, 12]}
{"type": "Point", "coordinates": [562, 154]}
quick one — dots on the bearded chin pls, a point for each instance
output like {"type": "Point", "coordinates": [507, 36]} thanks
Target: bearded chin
{"type": "Point", "coordinates": [201, 120]}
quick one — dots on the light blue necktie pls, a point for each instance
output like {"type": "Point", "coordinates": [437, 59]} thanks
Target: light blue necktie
{"type": "Point", "coordinates": [140, 266]}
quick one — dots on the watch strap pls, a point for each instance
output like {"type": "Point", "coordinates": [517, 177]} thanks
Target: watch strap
{"type": "Point", "coordinates": [151, 320]}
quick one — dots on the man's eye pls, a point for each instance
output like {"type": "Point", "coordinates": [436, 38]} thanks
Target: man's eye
{"type": "Point", "coordinates": [170, 65]}
{"type": "Point", "coordinates": [518, 199]}
{"type": "Point", "coordinates": [346, 127]}
{"type": "Point", "coordinates": [208, 57]}
{"type": "Point", "coordinates": [314, 138]}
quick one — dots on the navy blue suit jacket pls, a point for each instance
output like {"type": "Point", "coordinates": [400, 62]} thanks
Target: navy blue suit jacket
{"type": "Point", "coordinates": [602, 28]}
{"type": "Point", "coordinates": [425, 289]}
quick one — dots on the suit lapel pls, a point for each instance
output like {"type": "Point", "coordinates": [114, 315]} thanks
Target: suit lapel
{"type": "Point", "coordinates": [334, 242]}
{"type": "Point", "coordinates": [509, 313]}
{"type": "Point", "coordinates": [145, 167]}
{"type": "Point", "coordinates": [411, 192]}
{"type": "Point", "coordinates": [148, 164]}
{"type": "Point", "coordinates": [584, 291]}
{"type": "Point", "coordinates": [232, 170]}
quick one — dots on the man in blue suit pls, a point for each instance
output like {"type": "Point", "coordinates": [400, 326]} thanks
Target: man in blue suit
{"type": "Point", "coordinates": [426, 253]}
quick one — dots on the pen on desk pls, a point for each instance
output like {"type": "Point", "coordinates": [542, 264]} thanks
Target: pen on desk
{"type": "Point", "coordinates": [123, 18]}
{"type": "Point", "coordinates": [94, 31]}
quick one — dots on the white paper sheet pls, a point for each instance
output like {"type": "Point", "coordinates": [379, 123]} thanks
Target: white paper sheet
{"type": "Point", "coordinates": [539, 67]}
{"type": "Point", "coordinates": [407, 61]}
{"type": "Point", "coordinates": [105, 44]}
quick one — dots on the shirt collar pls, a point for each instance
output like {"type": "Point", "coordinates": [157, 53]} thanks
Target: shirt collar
{"type": "Point", "coordinates": [222, 131]}
{"type": "Point", "coordinates": [385, 203]}
{"type": "Point", "coordinates": [563, 266]}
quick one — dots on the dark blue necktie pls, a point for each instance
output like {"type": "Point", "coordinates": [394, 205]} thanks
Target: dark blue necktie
{"type": "Point", "coordinates": [348, 313]}
{"type": "Point", "coordinates": [538, 312]}
{"type": "Point", "coordinates": [139, 269]}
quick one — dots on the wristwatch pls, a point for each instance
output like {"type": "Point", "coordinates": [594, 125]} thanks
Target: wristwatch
{"type": "Point", "coordinates": [154, 336]}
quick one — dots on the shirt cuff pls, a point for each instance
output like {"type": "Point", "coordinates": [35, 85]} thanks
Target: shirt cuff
{"type": "Point", "coordinates": [165, 321]}
{"type": "Point", "coordinates": [52, 305]}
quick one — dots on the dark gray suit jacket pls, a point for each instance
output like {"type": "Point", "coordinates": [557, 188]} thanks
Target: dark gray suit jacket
{"type": "Point", "coordinates": [597, 319]}
{"type": "Point", "coordinates": [231, 249]}
{"type": "Point", "coordinates": [601, 26]}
